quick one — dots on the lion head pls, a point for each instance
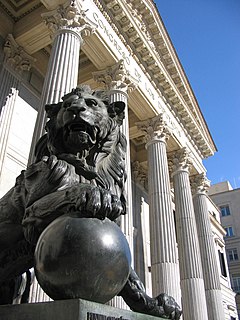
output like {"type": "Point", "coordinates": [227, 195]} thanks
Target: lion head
{"type": "Point", "coordinates": [84, 130]}
{"type": "Point", "coordinates": [81, 121]}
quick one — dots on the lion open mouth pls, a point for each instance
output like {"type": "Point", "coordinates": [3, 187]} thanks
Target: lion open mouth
{"type": "Point", "coordinates": [80, 132]}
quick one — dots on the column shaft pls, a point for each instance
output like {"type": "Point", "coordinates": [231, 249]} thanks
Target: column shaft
{"type": "Point", "coordinates": [209, 259]}
{"type": "Point", "coordinates": [126, 220]}
{"type": "Point", "coordinates": [192, 285]}
{"type": "Point", "coordinates": [117, 80]}
{"type": "Point", "coordinates": [165, 269]}
{"type": "Point", "coordinates": [8, 81]}
{"type": "Point", "coordinates": [164, 261]}
{"type": "Point", "coordinates": [61, 77]}
{"type": "Point", "coordinates": [9, 89]}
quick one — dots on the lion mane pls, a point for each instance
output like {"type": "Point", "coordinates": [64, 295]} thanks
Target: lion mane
{"type": "Point", "coordinates": [104, 163]}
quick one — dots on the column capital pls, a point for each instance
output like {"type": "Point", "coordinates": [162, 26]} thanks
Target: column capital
{"type": "Point", "coordinates": [139, 174]}
{"type": "Point", "coordinates": [69, 17]}
{"type": "Point", "coordinates": [155, 129]}
{"type": "Point", "coordinates": [116, 77]}
{"type": "Point", "coordinates": [180, 160]}
{"type": "Point", "coordinates": [199, 183]}
{"type": "Point", "coordinates": [16, 57]}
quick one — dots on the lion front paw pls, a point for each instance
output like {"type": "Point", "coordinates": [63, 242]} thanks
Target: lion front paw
{"type": "Point", "coordinates": [97, 202]}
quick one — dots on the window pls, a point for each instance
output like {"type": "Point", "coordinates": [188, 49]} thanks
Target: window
{"type": "Point", "coordinates": [229, 231]}
{"type": "Point", "coordinates": [225, 211]}
{"type": "Point", "coordinates": [236, 283]}
{"type": "Point", "coordinates": [232, 254]}
{"type": "Point", "coordinates": [222, 263]}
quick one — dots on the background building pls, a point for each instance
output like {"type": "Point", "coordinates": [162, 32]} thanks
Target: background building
{"type": "Point", "coordinates": [228, 201]}
{"type": "Point", "coordinates": [47, 48]}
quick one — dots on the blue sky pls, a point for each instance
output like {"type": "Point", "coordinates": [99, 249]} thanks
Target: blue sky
{"type": "Point", "coordinates": [206, 36]}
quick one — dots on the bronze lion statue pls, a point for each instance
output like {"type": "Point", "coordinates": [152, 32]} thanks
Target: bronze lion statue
{"type": "Point", "coordinates": [79, 167]}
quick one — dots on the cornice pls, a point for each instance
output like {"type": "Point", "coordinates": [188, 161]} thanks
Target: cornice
{"type": "Point", "coordinates": [138, 24]}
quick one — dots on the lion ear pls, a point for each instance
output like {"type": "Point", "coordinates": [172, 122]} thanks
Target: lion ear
{"type": "Point", "coordinates": [52, 109]}
{"type": "Point", "coordinates": [116, 111]}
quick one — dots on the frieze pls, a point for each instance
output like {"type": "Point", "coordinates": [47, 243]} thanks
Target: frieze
{"type": "Point", "coordinates": [111, 37]}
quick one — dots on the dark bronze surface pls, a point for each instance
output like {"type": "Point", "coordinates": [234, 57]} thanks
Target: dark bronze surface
{"type": "Point", "coordinates": [71, 198]}
{"type": "Point", "coordinates": [83, 258]}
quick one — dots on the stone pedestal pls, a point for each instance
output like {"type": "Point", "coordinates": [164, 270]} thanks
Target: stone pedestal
{"type": "Point", "coordinates": [76, 309]}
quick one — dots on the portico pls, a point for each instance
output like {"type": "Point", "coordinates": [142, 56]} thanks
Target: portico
{"type": "Point", "coordinates": [124, 47]}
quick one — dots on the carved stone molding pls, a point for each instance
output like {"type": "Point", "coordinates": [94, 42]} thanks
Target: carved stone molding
{"type": "Point", "coordinates": [69, 17]}
{"type": "Point", "coordinates": [179, 161]}
{"type": "Point", "coordinates": [155, 129]}
{"type": "Point", "coordinates": [199, 183]}
{"type": "Point", "coordinates": [139, 174]}
{"type": "Point", "coordinates": [15, 56]}
{"type": "Point", "coordinates": [155, 58]}
{"type": "Point", "coordinates": [116, 77]}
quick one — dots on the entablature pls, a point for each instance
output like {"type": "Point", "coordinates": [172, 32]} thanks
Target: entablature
{"type": "Point", "coordinates": [139, 27]}
{"type": "Point", "coordinates": [145, 33]}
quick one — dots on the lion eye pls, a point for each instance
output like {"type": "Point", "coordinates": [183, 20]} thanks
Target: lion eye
{"type": "Point", "coordinates": [91, 102]}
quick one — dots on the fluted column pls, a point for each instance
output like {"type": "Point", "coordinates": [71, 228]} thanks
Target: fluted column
{"type": "Point", "coordinates": [192, 285]}
{"type": "Point", "coordinates": [16, 61]}
{"type": "Point", "coordinates": [68, 25]}
{"type": "Point", "coordinates": [119, 83]}
{"type": "Point", "coordinates": [208, 254]}
{"type": "Point", "coordinates": [164, 269]}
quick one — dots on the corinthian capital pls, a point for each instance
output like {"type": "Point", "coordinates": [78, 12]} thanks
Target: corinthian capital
{"type": "Point", "coordinates": [199, 183]}
{"type": "Point", "coordinates": [139, 174]}
{"type": "Point", "coordinates": [155, 129]}
{"type": "Point", "coordinates": [15, 56]}
{"type": "Point", "coordinates": [180, 161]}
{"type": "Point", "coordinates": [69, 17]}
{"type": "Point", "coordinates": [116, 77]}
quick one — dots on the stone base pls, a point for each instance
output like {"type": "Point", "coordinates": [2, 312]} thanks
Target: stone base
{"type": "Point", "coordinates": [76, 309]}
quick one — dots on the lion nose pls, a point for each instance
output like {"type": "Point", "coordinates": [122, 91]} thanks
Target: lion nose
{"type": "Point", "coordinates": [77, 107]}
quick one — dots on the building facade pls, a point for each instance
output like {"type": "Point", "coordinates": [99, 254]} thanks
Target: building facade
{"type": "Point", "coordinates": [228, 201]}
{"type": "Point", "coordinates": [48, 48]}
